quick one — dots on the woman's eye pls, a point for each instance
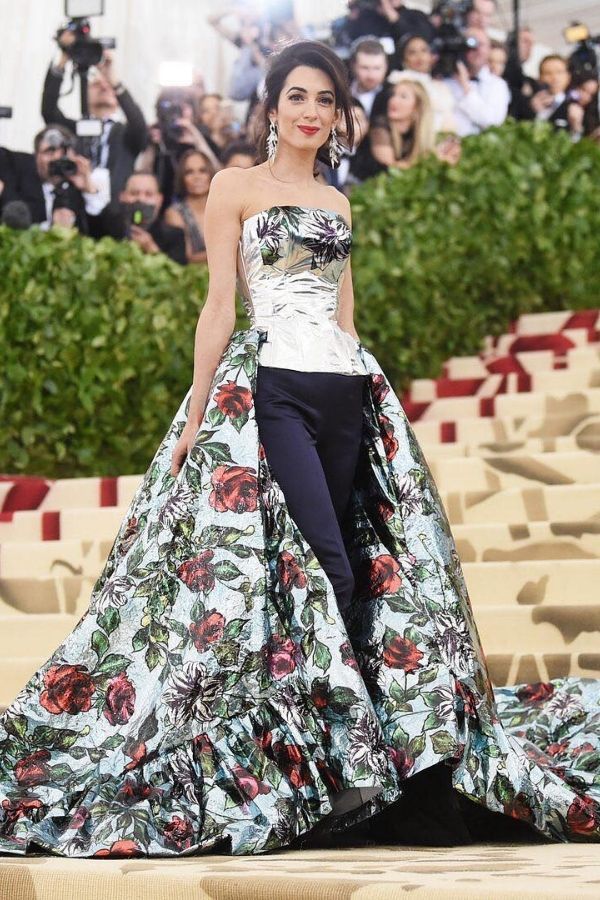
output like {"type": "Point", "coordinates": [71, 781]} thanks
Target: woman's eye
{"type": "Point", "coordinates": [326, 100]}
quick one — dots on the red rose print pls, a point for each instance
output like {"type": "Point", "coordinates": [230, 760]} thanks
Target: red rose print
{"type": "Point", "coordinates": [583, 748]}
{"type": "Point", "coordinates": [202, 744]}
{"type": "Point", "coordinates": [68, 690]}
{"type": "Point", "coordinates": [466, 695]}
{"type": "Point", "coordinates": [120, 700]}
{"type": "Point", "coordinates": [519, 808]}
{"type": "Point", "coordinates": [282, 655]}
{"type": "Point", "coordinates": [80, 817]}
{"type": "Point", "coordinates": [382, 576]}
{"type": "Point", "coordinates": [179, 833]}
{"type": "Point", "coordinates": [19, 809]}
{"type": "Point", "coordinates": [581, 815]}
{"type": "Point", "coordinates": [233, 400]}
{"type": "Point", "coordinates": [347, 654]}
{"type": "Point", "coordinates": [401, 653]}
{"type": "Point", "coordinates": [120, 848]}
{"type": "Point", "coordinates": [235, 488]}
{"type": "Point", "coordinates": [402, 761]}
{"type": "Point", "coordinates": [319, 694]}
{"type": "Point", "coordinates": [379, 387]}
{"type": "Point", "coordinates": [535, 693]}
{"type": "Point", "coordinates": [207, 630]}
{"type": "Point", "coordinates": [249, 786]}
{"type": "Point", "coordinates": [290, 760]}
{"type": "Point", "coordinates": [289, 572]}
{"type": "Point", "coordinates": [328, 775]}
{"type": "Point", "coordinates": [198, 573]}
{"type": "Point", "coordinates": [385, 510]}
{"type": "Point", "coordinates": [264, 738]}
{"type": "Point", "coordinates": [137, 754]}
{"type": "Point", "coordinates": [32, 769]}
{"type": "Point", "coordinates": [556, 748]}
{"type": "Point", "coordinates": [133, 790]}
{"type": "Point", "coordinates": [390, 443]}
{"type": "Point", "coordinates": [129, 535]}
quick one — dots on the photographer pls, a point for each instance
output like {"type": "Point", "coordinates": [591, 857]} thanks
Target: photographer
{"type": "Point", "coordinates": [171, 135]}
{"type": "Point", "coordinates": [139, 220]}
{"type": "Point", "coordinates": [387, 20]}
{"type": "Point", "coordinates": [57, 185]}
{"type": "Point", "coordinates": [481, 98]}
{"type": "Point", "coordinates": [120, 143]}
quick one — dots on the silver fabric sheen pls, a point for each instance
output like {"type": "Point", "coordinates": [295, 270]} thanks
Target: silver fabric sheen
{"type": "Point", "coordinates": [293, 293]}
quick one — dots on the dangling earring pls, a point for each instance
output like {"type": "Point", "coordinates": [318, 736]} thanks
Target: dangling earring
{"type": "Point", "coordinates": [272, 139]}
{"type": "Point", "coordinates": [335, 148]}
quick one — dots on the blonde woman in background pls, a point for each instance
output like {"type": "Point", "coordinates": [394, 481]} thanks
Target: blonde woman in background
{"type": "Point", "coordinates": [402, 127]}
{"type": "Point", "coordinates": [418, 60]}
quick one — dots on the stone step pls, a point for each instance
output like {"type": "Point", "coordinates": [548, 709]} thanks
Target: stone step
{"type": "Point", "coordinates": [498, 542]}
{"type": "Point", "coordinates": [538, 446]}
{"type": "Point", "coordinates": [574, 420]}
{"type": "Point", "coordinates": [586, 356]}
{"type": "Point", "coordinates": [535, 583]}
{"type": "Point", "coordinates": [539, 629]}
{"type": "Point", "coordinates": [510, 406]}
{"type": "Point", "coordinates": [516, 667]}
{"type": "Point", "coordinates": [426, 390]}
{"type": "Point", "coordinates": [515, 506]}
{"type": "Point", "coordinates": [499, 473]}
{"type": "Point", "coordinates": [28, 493]}
{"type": "Point", "coordinates": [40, 634]}
{"type": "Point", "coordinates": [100, 523]}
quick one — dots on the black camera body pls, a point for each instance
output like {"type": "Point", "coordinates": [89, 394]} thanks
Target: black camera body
{"type": "Point", "coordinates": [85, 51]}
{"type": "Point", "coordinates": [168, 111]}
{"type": "Point", "coordinates": [62, 168]}
{"type": "Point", "coordinates": [6, 112]}
{"type": "Point", "coordinates": [451, 45]}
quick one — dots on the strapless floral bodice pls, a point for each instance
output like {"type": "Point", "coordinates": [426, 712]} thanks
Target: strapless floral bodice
{"type": "Point", "coordinates": [292, 259]}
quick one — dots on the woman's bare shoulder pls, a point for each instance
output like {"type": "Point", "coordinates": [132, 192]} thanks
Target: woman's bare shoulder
{"type": "Point", "coordinates": [238, 185]}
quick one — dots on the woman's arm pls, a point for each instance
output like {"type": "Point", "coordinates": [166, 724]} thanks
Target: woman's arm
{"type": "Point", "coordinates": [382, 150]}
{"type": "Point", "coordinates": [345, 313]}
{"type": "Point", "coordinates": [217, 317]}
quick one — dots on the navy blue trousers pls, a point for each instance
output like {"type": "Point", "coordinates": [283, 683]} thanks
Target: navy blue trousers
{"type": "Point", "coordinates": [310, 424]}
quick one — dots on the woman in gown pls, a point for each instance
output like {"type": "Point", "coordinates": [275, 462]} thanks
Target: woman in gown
{"type": "Point", "coordinates": [281, 643]}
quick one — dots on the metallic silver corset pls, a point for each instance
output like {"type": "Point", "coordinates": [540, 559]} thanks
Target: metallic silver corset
{"type": "Point", "coordinates": [292, 259]}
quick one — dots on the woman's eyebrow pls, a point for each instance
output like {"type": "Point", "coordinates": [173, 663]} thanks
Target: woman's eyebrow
{"type": "Point", "coordinates": [324, 91]}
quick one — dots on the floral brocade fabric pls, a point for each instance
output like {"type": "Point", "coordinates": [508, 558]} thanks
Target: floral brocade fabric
{"type": "Point", "coordinates": [214, 690]}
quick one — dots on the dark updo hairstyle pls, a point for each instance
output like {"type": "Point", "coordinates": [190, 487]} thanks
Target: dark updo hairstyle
{"type": "Point", "coordinates": [318, 56]}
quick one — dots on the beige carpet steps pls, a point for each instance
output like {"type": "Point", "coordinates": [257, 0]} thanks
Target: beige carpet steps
{"type": "Point", "coordinates": [501, 542]}
{"type": "Point", "coordinates": [559, 582]}
{"type": "Point", "coordinates": [425, 390]}
{"type": "Point", "coordinates": [511, 406]}
{"type": "Point", "coordinates": [576, 421]}
{"type": "Point", "coordinates": [585, 356]}
{"type": "Point", "coordinates": [503, 472]}
{"type": "Point", "coordinates": [537, 446]}
{"type": "Point", "coordinates": [515, 506]}
{"type": "Point", "coordinates": [98, 523]}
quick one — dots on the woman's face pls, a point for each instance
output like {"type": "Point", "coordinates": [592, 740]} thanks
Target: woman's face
{"type": "Point", "coordinates": [588, 91]}
{"type": "Point", "coordinates": [497, 61]}
{"type": "Point", "coordinates": [307, 99]}
{"type": "Point", "coordinates": [418, 56]}
{"type": "Point", "coordinates": [402, 104]}
{"type": "Point", "coordinates": [196, 176]}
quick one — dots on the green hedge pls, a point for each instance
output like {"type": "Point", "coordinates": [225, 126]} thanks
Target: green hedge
{"type": "Point", "coordinates": [97, 339]}
{"type": "Point", "coordinates": [446, 255]}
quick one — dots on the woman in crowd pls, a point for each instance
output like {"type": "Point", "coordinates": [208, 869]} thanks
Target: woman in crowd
{"type": "Point", "coordinates": [192, 180]}
{"type": "Point", "coordinates": [418, 60]}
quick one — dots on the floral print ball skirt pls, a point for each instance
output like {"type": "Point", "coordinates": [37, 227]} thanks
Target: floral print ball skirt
{"type": "Point", "coordinates": [215, 692]}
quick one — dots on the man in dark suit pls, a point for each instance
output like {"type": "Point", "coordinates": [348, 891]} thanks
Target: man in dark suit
{"type": "Point", "coordinates": [120, 143]}
{"type": "Point", "coordinates": [141, 202]}
{"type": "Point", "coordinates": [74, 200]}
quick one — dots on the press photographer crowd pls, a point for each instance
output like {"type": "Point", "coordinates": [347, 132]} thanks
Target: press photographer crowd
{"type": "Point", "coordinates": [420, 84]}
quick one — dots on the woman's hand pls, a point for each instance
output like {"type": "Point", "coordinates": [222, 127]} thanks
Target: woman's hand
{"type": "Point", "coordinates": [183, 447]}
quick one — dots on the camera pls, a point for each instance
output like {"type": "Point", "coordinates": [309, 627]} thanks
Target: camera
{"type": "Point", "coordinates": [584, 59]}
{"type": "Point", "coordinates": [451, 45]}
{"type": "Point", "coordinates": [6, 112]}
{"type": "Point", "coordinates": [168, 111]}
{"type": "Point", "coordinates": [66, 195]}
{"type": "Point", "coordinates": [84, 52]}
